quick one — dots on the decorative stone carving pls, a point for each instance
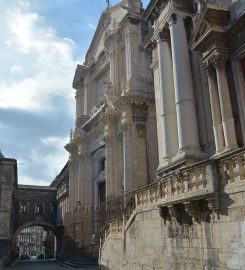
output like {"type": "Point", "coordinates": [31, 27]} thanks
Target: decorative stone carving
{"type": "Point", "coordinates": [139, 117]}
{"type": "Point", "coordinates": [200, 4]}
{"type": "Point", "coordinates": [213, 207]}
{"type": "Point", "coordinates": [218, 60]}
{"type": "Point", "coordinates": [179, 231]}
{"type": "Point", "coordinates": [209, 68]}
{"type": "Point", "coordinates": [164, 35]}
{"type": "Point", "coordinates": [174, 213]}
{"type": "Point", "coordinates": [192, 209]}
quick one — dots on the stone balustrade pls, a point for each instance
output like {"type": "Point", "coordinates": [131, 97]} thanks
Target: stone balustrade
{"type": "Point", "coordinates": [232, 169]}
{"type": "Point", "coordinates": [188, 189]}
{"type": "Point", "coordinates": [116, 226]}
{"type": "Point", "coordinates": [189, 182]}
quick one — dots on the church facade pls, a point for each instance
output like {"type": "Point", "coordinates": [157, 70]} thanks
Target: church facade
{"type": "Point", "coordinates": [157, 157]}
{"type": "Point", "coordinates": [113, 149]}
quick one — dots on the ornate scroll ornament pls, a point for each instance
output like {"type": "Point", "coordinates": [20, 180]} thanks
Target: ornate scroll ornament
{"type": "Point", "coordinates": [200, 4]}
{"type": "Point", "coordinates": [173, 212]}
{"type": "Point", "coordinates": [164, 35]}
{"type": "Point", "coordinates": [123, 87]}
{"type": "Point", "coordinates": [108, 90]}
{"type": "Point", "coordinates": [183, 179]}
{"type": "Point", "coordinates": [208, 68]}
{"type": "Point", "coordinates": [174, 18]}
{"type": "Point", "coordinates": [192, 209]}
{"type": "Point", "coordinates": [218, 60]}
{"type": "Point", "coordinates": [213, 208]}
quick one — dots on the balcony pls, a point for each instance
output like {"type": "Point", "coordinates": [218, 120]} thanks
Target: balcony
{"type": "Point", "coordinates": [185, 196]}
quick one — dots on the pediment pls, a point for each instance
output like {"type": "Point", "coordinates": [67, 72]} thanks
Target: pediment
{"type": "Point", "coordinates": [202, 27]}
{"type": "Point", "coordinates": [211, 20]}
{"type": "Point", "coordinates": [78, 75]}
{"type": "Point", "coordinates": [108, 23]}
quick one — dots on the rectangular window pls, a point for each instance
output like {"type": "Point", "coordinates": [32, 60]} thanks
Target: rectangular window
{"type": "Point", "coordinates": [39, 208]}
{"type": "Point", "coordinates": [24, 207]}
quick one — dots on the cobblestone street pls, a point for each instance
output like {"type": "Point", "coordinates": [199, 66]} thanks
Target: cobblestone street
{"type": "Point", "coordinates": [43, 265]}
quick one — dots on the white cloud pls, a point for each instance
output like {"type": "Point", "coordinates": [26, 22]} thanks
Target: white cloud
{"type": "Point", "coordinates": [54, 140]}
{"type": "Point", "coordinates": [53, 159]}
{"type": "Point", "coordinates": [25, 180]}
{"type": "Point", "coordinates": [48, 63]}
{"type": "Point", "coordinates": [36, 72]}
{"type": "Point", "coordinates": [92, 26]}
{"type": "Point", "coordinates": [16, 69]}
{"type": "Point", "coordinates": [51, 162]}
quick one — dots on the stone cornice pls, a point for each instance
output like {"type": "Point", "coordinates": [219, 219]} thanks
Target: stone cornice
{"type": "Point", "coordinates": [210, 29]}
{"type": "Point", "coordinates": [211, 39]}
{"type": "Point", "coordinates": [236, 32]}
{"type": "Point", "coordinates": [130, 18]}
{"type": "Point", "coordinates": [128, 100]}
{"type": "Point", "coordinates": [71, 147]}
{"type": "Point", "coordinates": [79, 73]}
{"type": "Point", "coordinates": [155, 64]}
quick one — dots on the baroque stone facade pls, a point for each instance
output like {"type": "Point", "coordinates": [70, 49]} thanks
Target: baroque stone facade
{"type": "Point", "coordinates": [192, 217]}
{"type": "Point", "coordinates": [159, 168]}
{"type": "Point", "coordinates": [113, 149]}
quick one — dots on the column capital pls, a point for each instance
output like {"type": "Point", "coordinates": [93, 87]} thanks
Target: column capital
{"type": "Point", "coordinates": [130, 34]}
{"type": "Point", "coordinates": [208, 68]}
{"type": "Point", "coordinates": [175, 17]}
{"type": "Point", "coordinates": [219, 60]}
{"type": "Point", "coordinates": [163, 35]}
{"type": "Point", "coordinates": [152, 45]}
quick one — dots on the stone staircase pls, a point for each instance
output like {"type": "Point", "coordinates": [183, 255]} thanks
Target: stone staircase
{"type": "Point", "coordinates": [81, 258]}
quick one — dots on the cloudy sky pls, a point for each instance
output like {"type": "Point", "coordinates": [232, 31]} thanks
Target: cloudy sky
{"type": "Point", "coordinates": [41, 42]}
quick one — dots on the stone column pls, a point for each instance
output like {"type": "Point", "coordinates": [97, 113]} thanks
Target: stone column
{"type": "Point", "coordinates": [134, 121]}
{"type": "Point", "coordinates": [215, 108]}
{"type": "Point", "coordinates": [83, 176]}
{"type": "Point", "coordinates": [114, 66]}
{"type": "Point", "coordinates": [168, 109]}
{"type": "Point", "coordinates": [86, 97]}
{"type": "Point", "coordinates": [131, 49]}
{"type": "Point", "coordinates": [110, 137]}
{"type": "Point", "coordinates": [79, 101]}
{"type": "Point", "coordinates": [72, 149]}
{"type": "Point", "coordinates": [127, 151]}
{"type": "Point", "coordinates": [80, 179]}
{"type": "Point", "coordinates": [88, 182]}
{"type": "Point", "coordinates": [184, 95]}
{"type": "Point", "coordinates": [219, 61]}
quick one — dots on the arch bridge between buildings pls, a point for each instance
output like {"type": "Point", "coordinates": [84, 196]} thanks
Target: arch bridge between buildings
{"type": "Point", "coordinates": [36, 206]}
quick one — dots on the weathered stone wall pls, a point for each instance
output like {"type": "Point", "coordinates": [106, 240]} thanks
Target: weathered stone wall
{"type": "Point", "coordinates": [8, 177]}
{"type": "Point", "coordinates": [46, 196]}
{"type": "Point", "coordinates": [152, 243]}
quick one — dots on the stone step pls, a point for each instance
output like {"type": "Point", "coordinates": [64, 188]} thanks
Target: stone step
{"type": "Point", "coordinates": [88, 251]}
{"type": "Point", "coordinates": [81, 259]}
{"type": "Point", "coordinates": [79, 264]}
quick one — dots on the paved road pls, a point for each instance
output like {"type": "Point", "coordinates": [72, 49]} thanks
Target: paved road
{"type": "Point", "coordinates": [43, 265]}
